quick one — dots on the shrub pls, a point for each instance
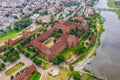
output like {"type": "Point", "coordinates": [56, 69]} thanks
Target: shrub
{"type": "Point", "coordinates": [76, 75]}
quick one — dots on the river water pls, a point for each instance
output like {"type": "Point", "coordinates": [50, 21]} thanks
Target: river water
{"type": "Point", "coordinates": [107, 61]}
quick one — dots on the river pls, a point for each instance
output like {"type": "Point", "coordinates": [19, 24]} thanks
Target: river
{"type": "Point", "coordinates": [107, 60]}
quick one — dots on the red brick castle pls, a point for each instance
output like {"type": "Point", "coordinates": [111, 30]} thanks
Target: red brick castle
{"type": "Point", "coordinates": [65, 41]}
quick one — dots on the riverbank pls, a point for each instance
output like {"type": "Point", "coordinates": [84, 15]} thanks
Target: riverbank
{"type": "Point", "coordinates": [81, 62]}
{"type": "Point", "coordinates": [91, 51]}
{"type": "Point", "coordinates": [111, 4]}
{"type": "Point", "coordinates": [100, 30]}
{"type": "Point", "coordinates": [106, 62]}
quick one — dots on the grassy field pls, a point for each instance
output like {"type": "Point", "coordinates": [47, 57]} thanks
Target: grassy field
{"type": "Point", "coordinates": [14, 68]}
{"type": "Point", "coordinates": [67, 53]}
{"type": "Point", "coordinates": [11, 34]}
{"type": "Point", "coordinates": [48, 41]}
{"type": "Point", "coordinates": [45, 64]}
{"type": "Point", "coordinates": [87, 77]}
{"type": "Point", "coordinates": [34, 76]}
{"type": "Point", "coordinates": [64, 75]}
{"type": "Point", "coordinates": [112, 5]}
{"type": "Point", "coordinates": [84, 55]}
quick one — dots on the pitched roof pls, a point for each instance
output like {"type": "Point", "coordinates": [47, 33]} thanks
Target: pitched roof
{"type": "Point", "coordinates": [26, 74]}
{"type": "Point", "coordinates": [65, 26]}
{"type": "Point", "coordinates": [72, 38]}
{"type": "Point", "coordinates": [79, 18]}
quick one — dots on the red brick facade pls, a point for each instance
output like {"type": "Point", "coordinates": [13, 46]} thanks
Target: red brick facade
{"type": "Point", "coordinates": [9, 42]}
{"type": "Point", "coordinates": [63, 42]}
{"type": "Point", "coordinates": [26, 73]}
{"type": "Point", "coordinates": [65, 26]}
{"type": "Point", "coordinates": [45, 36]}
{"type": "Point", "coordinates": [92, 41]}
{"type": "Point", "coordinates": [79, 18]}
{"type": "Point", "coordinates": [72, 41]}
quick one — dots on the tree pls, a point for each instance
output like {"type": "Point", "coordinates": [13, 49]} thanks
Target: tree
{"type": "Point", "coordinates": [0, 68]}
{"type": "Point", "coordinates": [7, 15]}
{"type": "Point", "coordinates": [27, 53]}
{"type": "Point", "coordinates": [60, 31]}
{"type": "Point", "coordinates": [4, 59]}
{"type": "Point", "coordinates": [71, 67]}
{"type": "Point", "coordinates": [17, 73]}
{"type": "Point", "coordinates": [13, 58]}
{"type": "Point", "coordinates": [76, 75]}
{"type": "Point", "coordinates": [58, 59]}
{"type": "Point", "coordinates": [73, 32]}
{"type": "Point", "coordinates": [12, 77]}
{"type": "Point", "coordinates": [38, 22]}
{"type": "Point", "coordinates": [37, 61]}
{"type": "Point", "coordinates": [70, 19]}
{"type": "Point", "coordinates": [1, 30]}
{"type": "Point", "coordinates": [8, 27]}
{"type": "Point", "coordinates": [2, 65]}
{"type": "Point", "coordinates": [32, 48]}
{"type": "Point", "coordinates": [10, 48]}
{"type": "Point", "coordinates": [81, 49]}
{"type": "Point", "coordinates": [23, 23]}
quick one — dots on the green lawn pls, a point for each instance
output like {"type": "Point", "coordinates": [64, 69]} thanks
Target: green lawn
{"type": "Point", "coordinates": [43, 60]}
{"type": "Point", "coordinates": [112, 5]}
{"type": "Point", "coordinates": [45, 64]}
{"type": "Point", "coordinates": [14, 68]}
{"type": "Point", "coordinates": [67, 53]}
{"type": "Point", "coordinates": [11, 34]}
{"type": "Point", "coordinates": [87, 77]}
{"type": "Point", "coordinates": [48, 41]}
{"type": "Point", "coordinates": [64, 75]}
{"type": "Point", "coordinates": [34, 76]}
{"type": "Point", "coordinates": [118, 13]}
{"type": "Point", "coordinates": [84, 54]}
{"type": "Point", "coordinates": [30, 52]}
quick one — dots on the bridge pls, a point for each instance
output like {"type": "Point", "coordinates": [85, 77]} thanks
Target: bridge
{"type": "Point", "coordinates": [106, 9]}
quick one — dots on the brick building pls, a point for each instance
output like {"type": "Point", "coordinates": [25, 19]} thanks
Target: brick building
{"type": "Point", "coordinates": [26, 73]}
{"type": "Point", "coordinates": [9, 42]}
{"type": "Point", "coordinates": [65, 26]}
{"type": "Point", "coordinates": [79, 18]}
{"type": "Point", "coordinates": [65, 41]}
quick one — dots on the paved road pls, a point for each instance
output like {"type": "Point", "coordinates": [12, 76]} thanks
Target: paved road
{"type": "Point", "coordinates": [79, 66]}
{"type": "Point", "coordinates": [23, 59]}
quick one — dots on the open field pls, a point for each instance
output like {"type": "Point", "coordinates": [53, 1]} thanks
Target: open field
{"type": "Point", "coordinates": [112, 5]}
{"type": "Point", "coordinates": [67, 53]}
{"type": "Point", "coordinates": [84, 54]}
{"type": "Point", "coordinates": [64, 75]}
{"type": "Point", "coordinates": [49, 42]}
{"type": "Point", "coordinates": [11, 34]}
{"type": "Point", "coordinates": [14, 68]}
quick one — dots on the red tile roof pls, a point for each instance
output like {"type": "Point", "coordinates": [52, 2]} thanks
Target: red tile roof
{"type": "Point", "coordinates": [80, 18]}
{"type": "Point", "coordinates": [9, 42]}
{"type": "Point", "coordinates": [65, 26]}
{"type": "Point", "coordinates": [26, 74]}
{"type": "Point", "coordinates": [61, 43]}
{"type": "Point", "coordinates": [72, 38]}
